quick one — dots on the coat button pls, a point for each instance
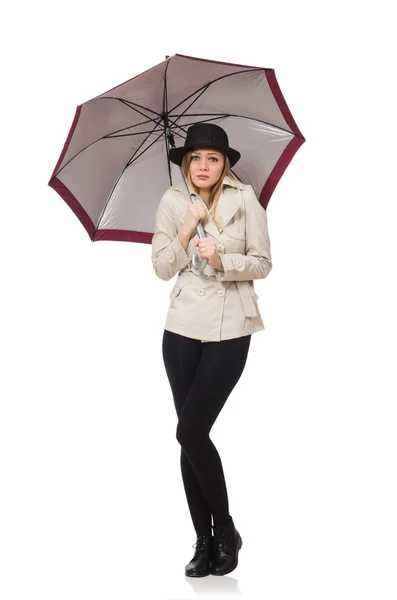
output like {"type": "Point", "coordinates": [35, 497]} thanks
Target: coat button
{"type": "Point", "coordinates": [220, 247]}
{"type": "Point", "coordinates": [239, 263]}
{"type": "Point", "coordinates": [221, 293]}
{"type": "Point", "coordinates": [168, 255]}
{"type": "Point", "coordinates": [201, 292]}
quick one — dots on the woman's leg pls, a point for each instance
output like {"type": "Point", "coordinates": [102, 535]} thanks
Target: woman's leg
{"type": "Point", "coordinates": [181, 358]}
{"type": "Point", "coordinates": [219, 369]}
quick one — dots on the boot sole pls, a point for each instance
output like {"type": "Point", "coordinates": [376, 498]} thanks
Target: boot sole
{"type": "Point", "coordinates": [234, 565]}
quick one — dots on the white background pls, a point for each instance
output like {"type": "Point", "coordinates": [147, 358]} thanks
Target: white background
{"type": "Point", "coordinates": [92, 502]}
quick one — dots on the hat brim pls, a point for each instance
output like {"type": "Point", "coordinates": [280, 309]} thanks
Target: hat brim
{"type": "Point", "coordinates": [176, 154]}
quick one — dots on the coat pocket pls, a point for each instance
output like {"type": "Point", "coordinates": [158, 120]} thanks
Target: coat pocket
{"type": "Point", "coordinates": [235, 231]}
{"type": "Point", "coordinates": [182, 282]}
{"type": "Point", "coordinates": [233, 245]}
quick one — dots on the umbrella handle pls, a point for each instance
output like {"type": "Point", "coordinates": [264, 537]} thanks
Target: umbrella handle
{"type": "Point", "coordinates": [199, 263]}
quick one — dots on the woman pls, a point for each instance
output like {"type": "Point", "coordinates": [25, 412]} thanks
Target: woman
{"type": "Point", "coordinates": [210, 319]}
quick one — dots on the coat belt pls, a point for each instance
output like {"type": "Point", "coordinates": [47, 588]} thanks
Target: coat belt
{"type": "Point", "coordinates": [246, 299]}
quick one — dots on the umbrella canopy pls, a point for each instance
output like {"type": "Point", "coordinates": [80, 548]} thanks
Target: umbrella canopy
{"type": "Point", "coordinates": [114, 166]}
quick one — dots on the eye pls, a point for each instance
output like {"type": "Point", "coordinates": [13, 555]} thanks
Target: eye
{"type": "Point", "coordinates": [211, 158]}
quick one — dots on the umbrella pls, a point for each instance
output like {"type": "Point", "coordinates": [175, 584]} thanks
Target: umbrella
{"type": "Point", "coordinates": [114, 166]}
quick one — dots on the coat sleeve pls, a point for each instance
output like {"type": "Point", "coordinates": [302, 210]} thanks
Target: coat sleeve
{"type": "Point", "coordinates": [257, 262]}
{"type": "Point", "coordinates": [168, 254]}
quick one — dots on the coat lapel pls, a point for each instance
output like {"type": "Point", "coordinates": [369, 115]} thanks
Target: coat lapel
{"type": "Point", "coordinates": [228, 205]}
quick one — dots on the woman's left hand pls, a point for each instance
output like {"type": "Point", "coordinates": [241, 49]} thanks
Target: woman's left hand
{"type": "Point", "coordinates": [206, 247]}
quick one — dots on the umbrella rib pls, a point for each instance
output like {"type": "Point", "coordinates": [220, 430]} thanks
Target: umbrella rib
{"type": "Point", "coordinates": [108, 136]}
{"type": "Point", "coordinates": [131, 105]}
{"type": "Point", "coordinates": [130, 126]}
{"type": "Point", "coordinates": [121, 173]}
{"type": "Point", "coordinates": [220, 116]}
{"type": "Point", "coordinates": [238, 116]}
{"type": "Point", "coordinates": [111, 136]}
{"type": "Point", "coordinates": [205, 88]}
{"type": "Point", "coordinates": [133, 157]}
{"type": "Point", "coordinates": [195, 100]}
{"type": "Point", "coordinates": [207, 85]}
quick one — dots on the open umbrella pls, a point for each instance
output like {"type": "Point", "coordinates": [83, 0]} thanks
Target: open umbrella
{"type": "Point", "coordinates": [114, 166]}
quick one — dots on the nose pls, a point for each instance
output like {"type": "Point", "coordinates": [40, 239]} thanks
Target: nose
{"type": "Point", "coordinates": [203, 164]}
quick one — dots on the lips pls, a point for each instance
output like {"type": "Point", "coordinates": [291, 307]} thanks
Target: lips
{"type": "Point", "coordinates": [202, 176]}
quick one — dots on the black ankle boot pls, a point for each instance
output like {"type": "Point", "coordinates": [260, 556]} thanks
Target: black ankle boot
{"type": "Point", "coordinates": [227, 543]}
{"type": "Point", "coordinates": [200, 564]}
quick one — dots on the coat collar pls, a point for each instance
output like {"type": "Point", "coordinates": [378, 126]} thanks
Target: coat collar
{"type": "Point", "coordinates": [228, 205]}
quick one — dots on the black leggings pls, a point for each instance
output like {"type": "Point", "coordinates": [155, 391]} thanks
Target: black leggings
{"type": "Point", "coordinates": [201, 377]}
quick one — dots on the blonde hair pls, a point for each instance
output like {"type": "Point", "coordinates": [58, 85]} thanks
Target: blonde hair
{"type": "Point", "coordinates": [216, 189]}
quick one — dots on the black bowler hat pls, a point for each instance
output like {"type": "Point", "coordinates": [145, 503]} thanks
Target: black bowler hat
{"type": "Point", "coordinates": [204, 135]}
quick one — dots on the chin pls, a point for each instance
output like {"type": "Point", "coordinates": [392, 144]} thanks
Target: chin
{"type": "Point", "coordinates": [203, 185]}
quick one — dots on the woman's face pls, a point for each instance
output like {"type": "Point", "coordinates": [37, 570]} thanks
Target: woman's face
{"type": "Point", "coordinates": [206, 167]}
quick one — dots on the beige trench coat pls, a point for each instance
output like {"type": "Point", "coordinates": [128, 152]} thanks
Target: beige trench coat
{"type": "Point", "coordinates": [213, 305]}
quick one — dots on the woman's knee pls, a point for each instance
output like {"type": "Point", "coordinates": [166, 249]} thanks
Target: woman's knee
{"type": "Point", "coordinates": [190, 435]}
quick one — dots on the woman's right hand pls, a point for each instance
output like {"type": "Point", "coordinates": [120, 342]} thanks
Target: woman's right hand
{"type": "Point", "coordinates": [196, 212]}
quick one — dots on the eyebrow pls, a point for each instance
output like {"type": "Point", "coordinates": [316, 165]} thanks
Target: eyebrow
{"type": "Point", "coordinates": [199, 151]}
